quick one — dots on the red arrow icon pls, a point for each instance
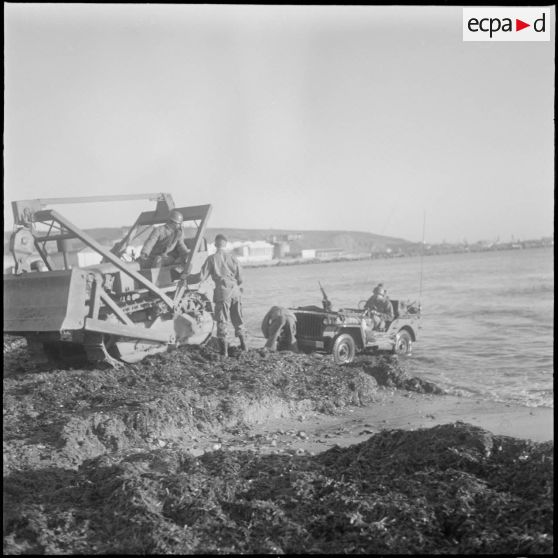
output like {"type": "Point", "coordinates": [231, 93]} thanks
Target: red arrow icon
{"type": "Point", "coordinates": [519, 25]}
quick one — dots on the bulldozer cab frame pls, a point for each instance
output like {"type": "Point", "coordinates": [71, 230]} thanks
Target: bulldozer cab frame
{"type": "Point", "coordinates": [29, 213]}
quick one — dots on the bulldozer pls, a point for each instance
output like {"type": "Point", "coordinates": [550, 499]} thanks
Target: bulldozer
{"type": "Point", "coordinates": [112, 312]}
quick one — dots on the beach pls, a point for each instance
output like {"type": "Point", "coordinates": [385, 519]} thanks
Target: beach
{"type": "Point", "coordinates": [95, 460]}
{"type": "Point", "coordinates": [401, 410]}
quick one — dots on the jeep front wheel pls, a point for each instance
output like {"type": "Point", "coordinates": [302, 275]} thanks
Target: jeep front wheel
{"type": "Point", "coordinates": [344, 349]}
{"type": "Point", "coordinates": [403, 343]}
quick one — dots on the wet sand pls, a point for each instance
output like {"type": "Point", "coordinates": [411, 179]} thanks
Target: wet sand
{"type": "Point", "coordinates": [394, 409]}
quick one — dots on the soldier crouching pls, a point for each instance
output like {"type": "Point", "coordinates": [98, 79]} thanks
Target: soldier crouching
{"type": "Point", "coordinates": [279, 328]}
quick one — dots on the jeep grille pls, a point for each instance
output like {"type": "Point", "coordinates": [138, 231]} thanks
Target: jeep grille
{"type": "Point", "coordinates": [309, 326]}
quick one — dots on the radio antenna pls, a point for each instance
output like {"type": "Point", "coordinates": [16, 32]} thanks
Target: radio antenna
{"type": "Point", "coordinates": [422, 255]}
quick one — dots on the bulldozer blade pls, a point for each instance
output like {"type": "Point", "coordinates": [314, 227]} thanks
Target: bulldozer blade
{"type": "Point", "coordinates": [47, 301]}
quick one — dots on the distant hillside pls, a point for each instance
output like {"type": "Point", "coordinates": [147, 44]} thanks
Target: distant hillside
{"type": "Point", "coordinates": [349, 241]}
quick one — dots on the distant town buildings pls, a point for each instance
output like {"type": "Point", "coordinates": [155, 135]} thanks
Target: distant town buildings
{"type": "Point", "coordinates": [282, 244]}
{"type": "Point", "coordinates": [328, 253]}
{"type": "Point", "coordinates": [256, 251]}
{"type": "Point", "coordinates": [289, 237]}
{"type": "Point", "coordinates": [291, 248]}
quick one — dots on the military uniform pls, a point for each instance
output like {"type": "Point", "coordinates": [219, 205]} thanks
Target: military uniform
{"type": "Point", "coordinates": [382, 308]}
{"type": "Point", "coordinates": [164, 246]}
{"type": "Point", "coordinates": [273, 324]}
{"type": "Point", "coordinates": [224, 269]}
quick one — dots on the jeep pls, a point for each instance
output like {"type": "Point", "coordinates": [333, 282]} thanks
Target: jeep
{"type": "Point", "coordinates": [348, 331]}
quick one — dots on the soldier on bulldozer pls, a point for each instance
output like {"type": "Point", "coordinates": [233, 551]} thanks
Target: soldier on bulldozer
{"type": "Point", "coordinates": [165, 245]}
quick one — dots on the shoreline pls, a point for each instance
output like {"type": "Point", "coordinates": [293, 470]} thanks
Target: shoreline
{"type": "Point", "coordinates": [280, 262]}
{"type": "Point", "coordinates": [395, 409]}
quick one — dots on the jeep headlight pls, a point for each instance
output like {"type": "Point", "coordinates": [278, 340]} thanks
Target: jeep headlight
{"type": "Point", "coordinates": [325, 321]}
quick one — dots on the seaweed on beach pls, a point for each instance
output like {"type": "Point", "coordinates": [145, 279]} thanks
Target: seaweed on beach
{"type": "Point", "coordinates": [86, 470]}
{"type": "Point", "coordinates": [64, 416]}
{"type": "Point", "coordinates": [453, 489]}
{"type": "Point", "coordinates": [388, 372]}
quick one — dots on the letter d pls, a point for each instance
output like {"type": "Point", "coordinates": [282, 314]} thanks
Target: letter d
{"type": "Point", "coordinates": [537, 21]}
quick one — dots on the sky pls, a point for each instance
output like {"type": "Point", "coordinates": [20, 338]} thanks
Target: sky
{"type": "Point", "coordinates": [363, 118]}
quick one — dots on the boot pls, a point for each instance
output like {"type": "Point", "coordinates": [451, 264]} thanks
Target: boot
{"type": "Point", "coordinates": [223, 348]}
{"type": "Point", "coordinates": [242, 342]}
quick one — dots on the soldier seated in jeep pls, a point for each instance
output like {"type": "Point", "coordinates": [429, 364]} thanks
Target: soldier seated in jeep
{"type": "Point", "coordinates": [380, 307]}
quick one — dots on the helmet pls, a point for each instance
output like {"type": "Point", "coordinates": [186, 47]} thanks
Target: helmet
{"type": "Point", "coordinates": [176, 217]}
{"type": "Point", "coordinates": [379, 289]}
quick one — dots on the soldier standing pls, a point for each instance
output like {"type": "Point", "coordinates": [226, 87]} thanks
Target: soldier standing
{"type": "Point", "coordinates": [224, 269]}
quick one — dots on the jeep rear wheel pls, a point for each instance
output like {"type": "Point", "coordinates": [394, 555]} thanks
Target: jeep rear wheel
{"type": "Point", "coordinates": [403, 343]}
{"type": "Point", "coordinates": [344, 349]}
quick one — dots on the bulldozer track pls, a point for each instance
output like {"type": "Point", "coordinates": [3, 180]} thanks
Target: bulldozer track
{"type": "Point", "coordinates": [96, 351]}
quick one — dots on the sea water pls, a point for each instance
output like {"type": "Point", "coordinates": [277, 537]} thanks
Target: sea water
{"type": "Point", "coordinates": [487, 317]}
